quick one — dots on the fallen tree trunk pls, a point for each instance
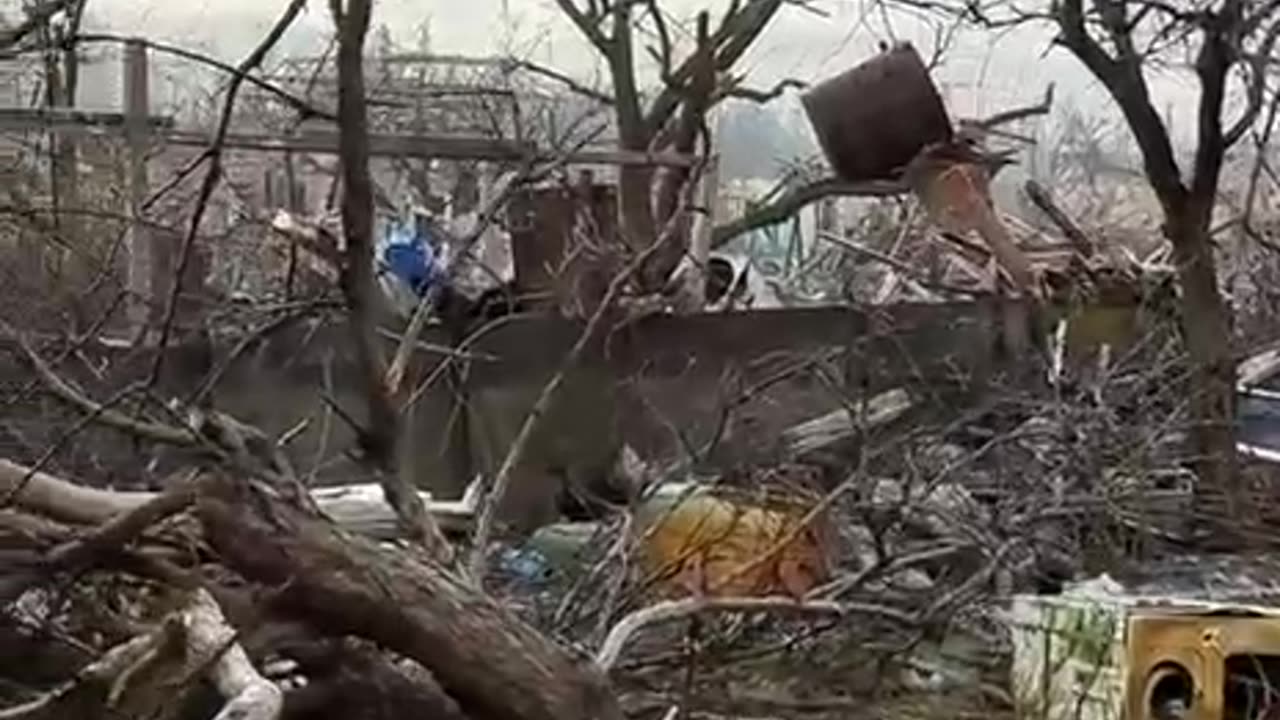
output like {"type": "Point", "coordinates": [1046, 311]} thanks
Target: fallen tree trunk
{"type": "Point", "coordinates": [493, 665]}
{"type": "Point", "coordinates": [353, 680]}
{"type": "Point", "coordinates": [344, 678]}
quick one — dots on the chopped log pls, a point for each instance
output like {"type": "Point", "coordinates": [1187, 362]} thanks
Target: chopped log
{"type": "Point", "coordinates": [491, 663]}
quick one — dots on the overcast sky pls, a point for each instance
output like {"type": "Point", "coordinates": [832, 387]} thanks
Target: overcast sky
{"type": "Point", "coordinates": [983, 73]}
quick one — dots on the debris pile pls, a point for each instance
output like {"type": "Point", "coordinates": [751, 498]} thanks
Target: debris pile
{"type": "Point", "coordinates": [931, 546]}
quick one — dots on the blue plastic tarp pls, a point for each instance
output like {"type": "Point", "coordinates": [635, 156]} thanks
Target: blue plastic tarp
{"type": "Point", "coordinates": [410, 253]}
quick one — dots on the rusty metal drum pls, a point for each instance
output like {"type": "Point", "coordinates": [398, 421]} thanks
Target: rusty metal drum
{"type": "Point", "coordinates": [872, 119]}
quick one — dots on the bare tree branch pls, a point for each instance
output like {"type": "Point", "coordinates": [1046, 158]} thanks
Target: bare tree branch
{"type": "Point", "coordinates": [736, 32]}
{"type": "Point", "coordinates": [898, 265]}
{"type": "Point", "coordinates": [520, 445]}
{"type": "Point", "coordinates": [1040, 196]}
{"type": "Point", "coordinates": [588, 23]}
{"type": "Point", "coordinates": [356, 507]}
{"type": "Point", "coordinates": [1256, 87]}
{"type": "Point", "coordinates": [690, 124]}
{"type": "Point", "coordinates": [302, 107]}
{"type": "Point", "coordinates": [213, 175]}
{"type": "Point", "coordinates": [791, 201]}
{"type": "Point", "coordinates": [1014, 115]}
{"type": "Point", "coordinates": [611, 650]}
{"type": "Point", "coordinates": [561, 78]}
{"type": "Point", "coordinates": [1212, 64]}
{"type": "Point", "coordinates": [72, 395]}
{"type": "Point", "coordinates": [663, 54]}
{"type": "Point", "coordinates": [632, 130]}
{"type": "Point", "coordinates": [107, 538]}
{"type": "Point", "coordinates": [1262, 141]}
{"type": "Point", "coordinates": [734, 90]}
{"type": "Point", "coordinates": [1124, 82]}
{"type": "Point", "coordinates": [379, 441]}
{"type": "Point", "coordinates": [36, 17]}
{"type": "Point", "coordinates": [64, 501]}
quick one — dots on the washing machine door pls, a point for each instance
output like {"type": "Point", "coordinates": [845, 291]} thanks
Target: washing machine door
{"type": "Point", "coordinates": [1170, 692]}
{"type": "Point", "coordinates": [1172, 674]}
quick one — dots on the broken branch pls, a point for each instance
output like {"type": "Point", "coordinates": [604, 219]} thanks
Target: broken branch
{"type": "Point", "coordinates": [1015, 114]}
{"type": "Point", "coordinates": [762, 96]}
{"type": "Point", "coordinates": [138, 677]}
{"type": "Point", "coordinates": [379, 440]}
{"type": "Point", "coordinates": [359, 508]}
{"type": "Point", "coordinates": [1043, 200]}
{"type": "Point", "coordinates": [519, 446]}
{"type": "Point", "coordinates": [213, 175]}
{"type": "Point", "coordinates": [611, 650]}
{"type": "Point", "coordinates": [72, 395]}
{"type": "Point", "coordinates": [793, 200]}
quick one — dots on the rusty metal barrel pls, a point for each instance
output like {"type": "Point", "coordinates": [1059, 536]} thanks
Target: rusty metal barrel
{"type": "Point", "coordinates": [873, 118]}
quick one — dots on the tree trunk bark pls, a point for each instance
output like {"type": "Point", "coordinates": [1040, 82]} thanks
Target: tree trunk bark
{"type": "Point", "coordinates": [635, 205]}
{"type": "Point", "coordinates": [491, 663]}
{"type": "Point", "coordinates": [636, 222]}
{"type": "Point", "coordinates": [1206, 329]}
{"type": "Point", "coordinates": [381, 437]}
{"type": "Point", "coordinates": [693, 119]}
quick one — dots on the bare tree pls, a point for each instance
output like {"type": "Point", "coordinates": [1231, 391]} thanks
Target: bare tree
{"type": "Point", "coordinates": [1118, 42]}
{"type": "Point", "coordinates": [380, 437]}
{"type": "Point", "coordinates": [673, 118]}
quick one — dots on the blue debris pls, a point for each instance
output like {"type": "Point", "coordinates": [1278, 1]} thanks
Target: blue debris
{"type": "Point", "coordinates": [524, 565]}
{"type": "Point", "coordinates": [409, 252]}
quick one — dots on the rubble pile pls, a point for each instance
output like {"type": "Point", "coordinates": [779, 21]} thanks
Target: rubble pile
{"type": "Point", "coordinates": [1030, 543]}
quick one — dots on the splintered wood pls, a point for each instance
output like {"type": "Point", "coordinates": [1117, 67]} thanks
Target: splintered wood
{"type": "Point", "coordinates": [956, 193]}
{"type": "Point", "coordinates": [710, 545]}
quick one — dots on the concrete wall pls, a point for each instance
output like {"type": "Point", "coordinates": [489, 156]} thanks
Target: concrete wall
{"type": "Point", "coordinates": [660, 384]}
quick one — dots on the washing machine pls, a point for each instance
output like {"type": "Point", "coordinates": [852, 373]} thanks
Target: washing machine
{"type": "Point", "coordinates": [1094, 656]}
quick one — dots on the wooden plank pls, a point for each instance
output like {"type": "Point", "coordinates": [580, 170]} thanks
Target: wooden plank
{"type": "Point", "coordinates": [453, 147]}
{"type": "Point", "coordinates": [322, 141]}
{"type": "Point", "coordinates": [447, 147]}
{"type": "Point", "coordinates": [425, 89]}
{"type": "Point", "coordinates": [410, 58]}
{"type": "Point", "coordinates": [61, 119]}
